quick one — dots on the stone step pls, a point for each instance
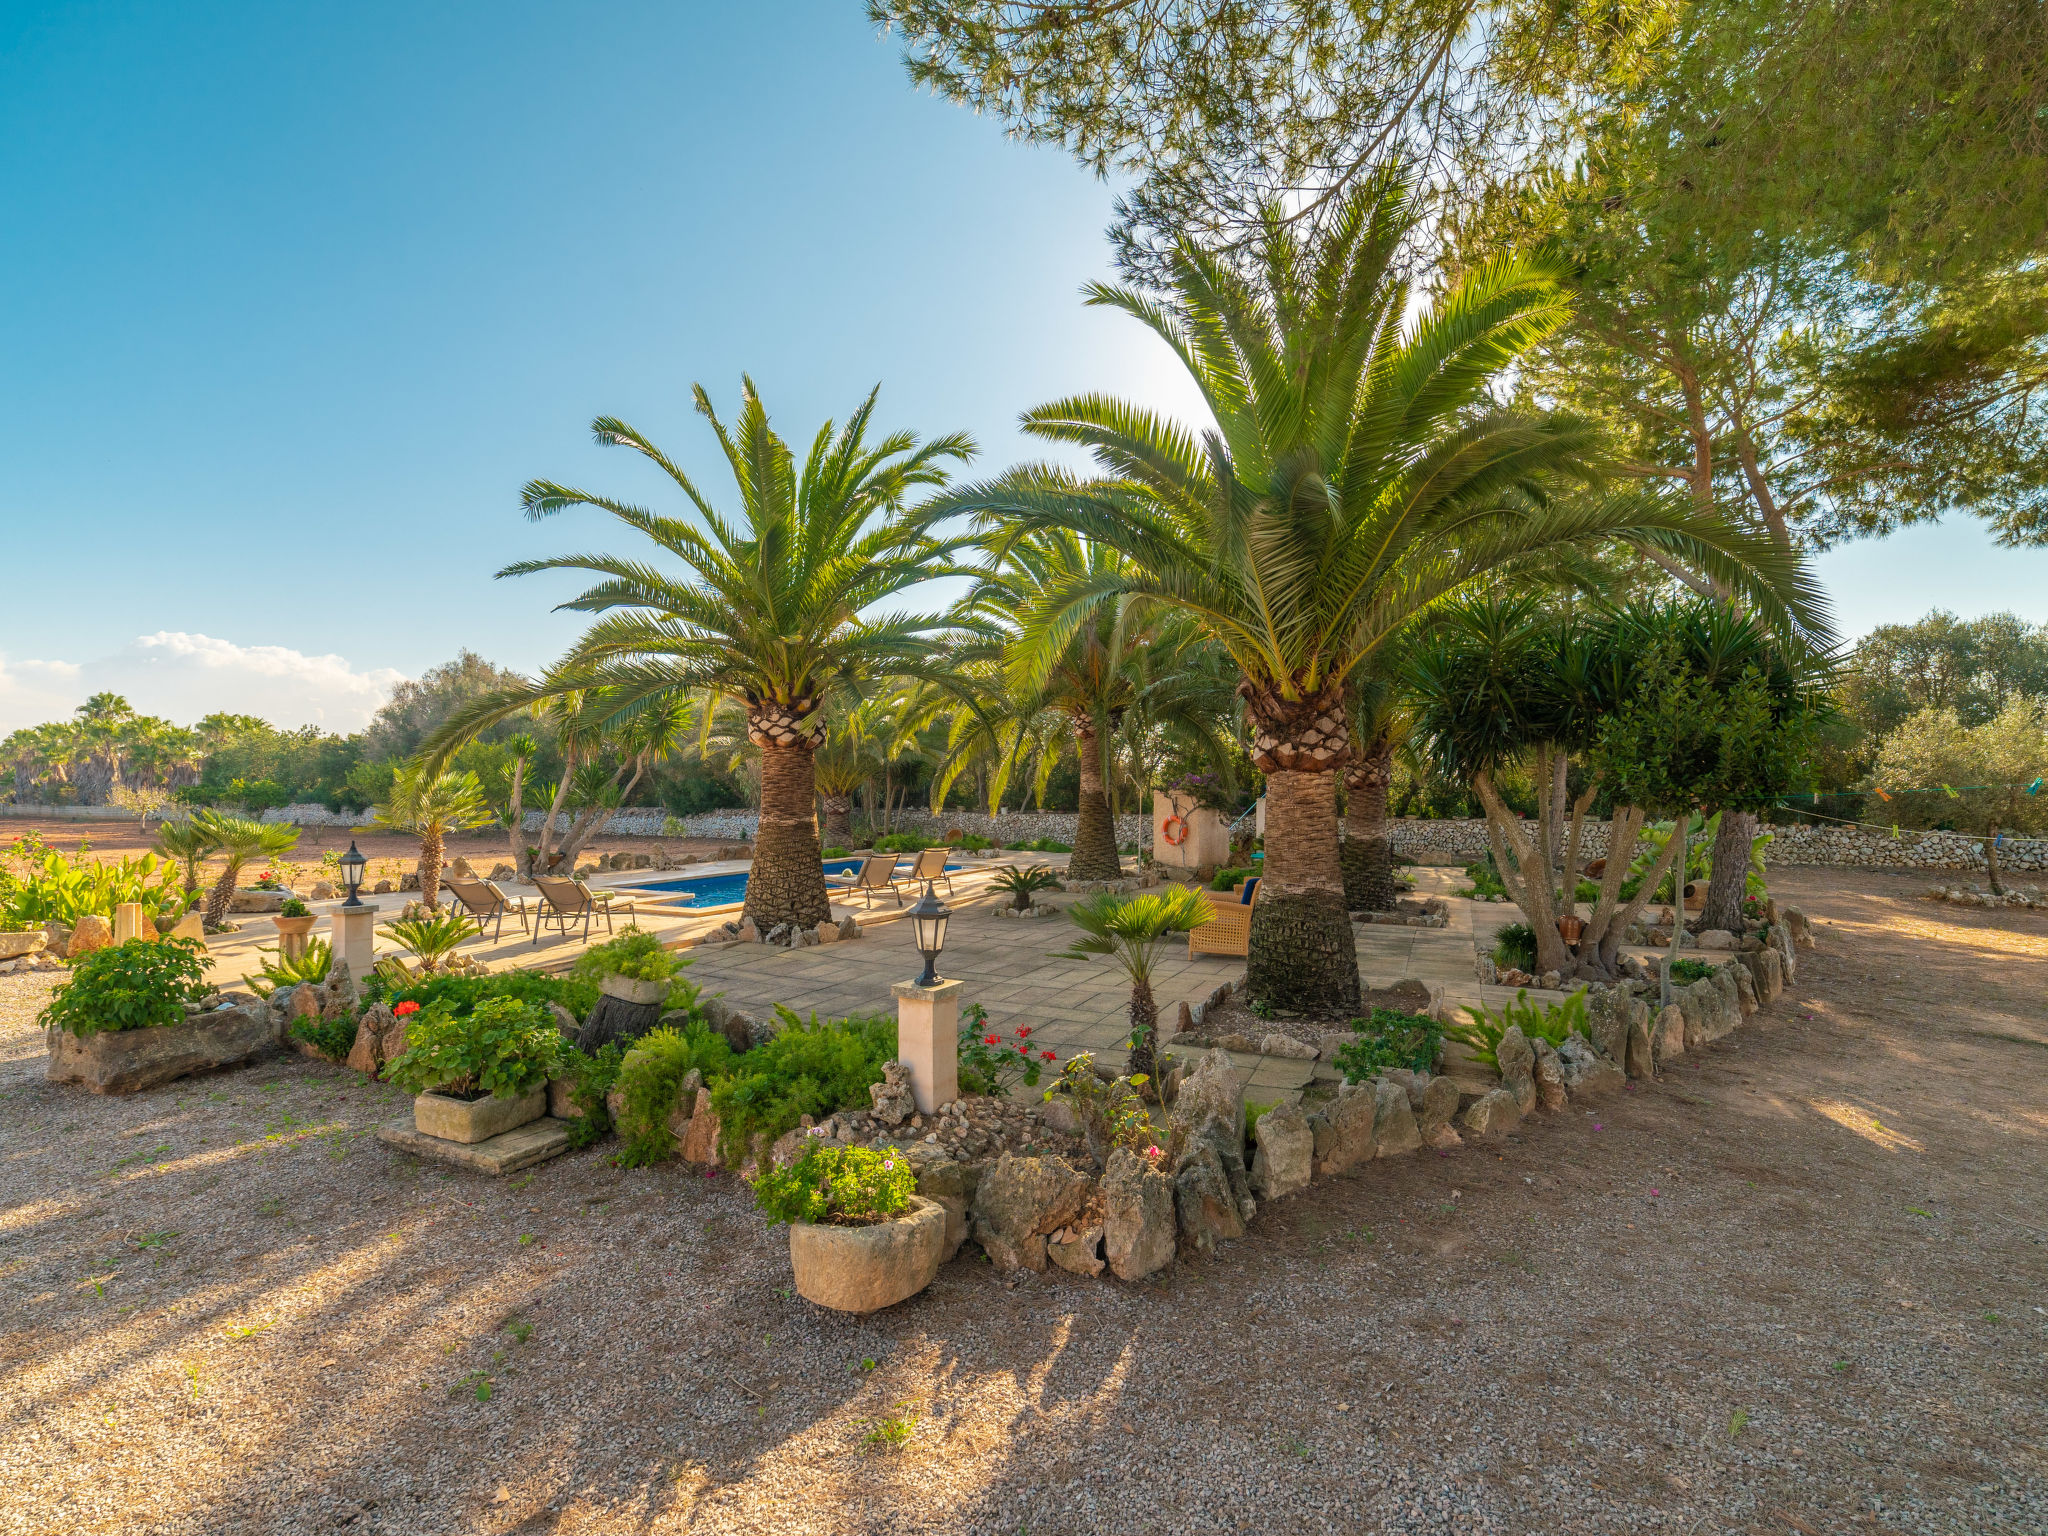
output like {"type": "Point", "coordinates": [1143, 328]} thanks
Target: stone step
{"type": "Point", "coordinates": [507, 1152]}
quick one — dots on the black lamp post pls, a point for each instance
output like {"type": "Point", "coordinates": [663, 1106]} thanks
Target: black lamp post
{"type": "Point", "coordinates": [928, 922]}
{"type": "Point", "coordinates": [352, 866]}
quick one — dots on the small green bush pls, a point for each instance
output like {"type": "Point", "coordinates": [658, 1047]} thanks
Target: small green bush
{"type": "Point", "coordinates": [843, 1186]}
{"type": "Point", "coordinates": [293, 907]}
{"type": "Point", "coordinates": [1483, 1033]}
{"type": "Point", "coordinates": [1687, 970]}
{"type": "Point", "coordinates": [635, 954]}
{"type": "Point", "coordinates": [594, 1074]}
{"type": "Point", "coordinates": [834, 853]}
{"type": "Point", "coordinates": [332, 1038]}
{"type": "Point", "coordinates": [1226, 878]}
{"type": "Point", "coordinates": [502, 1047]}
{"type": "Point", "coordinates": [1041, 845]}
{"type": "Point", "coordinates": [904, 842]}
{"type": "Point", "coordinates": [1486, 880]}
{"type": "Point", "coordinates": [810, 1068]}
{"type": "Point", "coordinates": [1514, 947]}
{"type": "Point", "coordinates": [650, 1080]}
{"type": "Point", "coordinates": [463, 993]}
{"type": "Point", "coordinates": [137, 985]}
{"type": "Point", "coordinates": [974, 842]}
{"type": "Point", "coordinates": [1390, 1038]}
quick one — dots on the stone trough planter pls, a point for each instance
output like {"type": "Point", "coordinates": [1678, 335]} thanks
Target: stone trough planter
{"type": "Point", "coordinates": [472, 1120]}
{"type": "Point", "coordinates": [864, 1269]}
{"type": "Point", "coordinates": [627, 990]}
{"type": "Point", "coordinates": [130, 1060]}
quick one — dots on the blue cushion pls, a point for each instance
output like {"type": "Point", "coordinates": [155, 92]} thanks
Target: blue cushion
{"type": "Point", "coordinates": [1250, 886]}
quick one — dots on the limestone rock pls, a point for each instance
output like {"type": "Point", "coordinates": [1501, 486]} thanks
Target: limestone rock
{"type": "Point", "coordinates": [1585, 1071]}
{"type": "Point", "coordinates": [323, 890]}
{"type": "Point", "coordinates": [1494, 1115]}
{"type": "Point", "coordinates": [367, 1055]}
{"type": "Point", "coordinates": [1517, 1060]}
{"type": "Point", "coordinates": [1019, 1201]}
{"type": "Point", "coordinates": [849, 928]}
{"type": "Point", "coordinates": [1138, 1216]}
{"type": "Point", "coordinates": [894, 1101]}
{"type": "Point", "coordinates": [952, 1185]}
{"type": "Point", "coordinates": [826, 933]}
{"type": "Point", "coordinates": [700, 1141]}
{"type": "Point", "coordinates": [1394, 1131]}
{"type": "Point", "coordinates": [1801, 929]}
{"type": "Point", "coordinates": [1716, 938]}
{"type": "Point", "coordinates": [565, 1021]}
{"type": "Point", "coordinates": [1288, 1046]}
{"type": "Point", "coordinates": [1745, 989]}
{"type": "Point", "coordinates": [1344, 1129]}
{"type": "Point", "coordinates": [1642, 1057]}
{"type": "Point", "coordinates": [1440, 1099]}
{"type": "Point", "coordinates": [1285, 1154]}
{"type": "Point", "coordinates": [1443, 1139]}
{"type": "Point", "coordinates": [93, 932]}
{"type": "Point", "coordinates": [1204, 1201]}
{"type": "Point", "coordinates": [1211, 1089]}
{"type": "Point", "coordinates": [130, 1060]}
{"type": "Point", "coordinates": [1077, 1250]}
{"type": "Point", "coordinates": [1550, 1087]}
{"type": "Point", "coordinates": [1667, 1036]}
{"type": "Point", "coordinates": [721, 1017]}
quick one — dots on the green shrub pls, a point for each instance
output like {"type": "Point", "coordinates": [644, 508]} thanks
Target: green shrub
{"type": "Point", "coordinates": [904, 842]}
{"type": "Point", "coordinates": [1226, 878]}
{"type": "Point", "coordinates": [844, 1186]}
{"type": "Point", "coordinates": [1687, 971]}
{"type": "Point", "coordinates": [1041, 845]}
{"type": "Point", "coordinates": [634, 954]}
{"type": "Point", "coordinates": [1514, 947]}
{"type": "Point", "coordinates": [990, 1061]}
{"type": "Point", "coordinates": [1483, 1033]}
{"type": "Point", "coordinates": [974, 842]}
{"type": "Point", "coordinates": [54, 887]}
{"type": "Point", "coordinates": [650, 1081]}
{"type": "Point", "coordinates": [810, 1068]}
{"type": "Point", "coordinates": [312, 964]}
{"type": "Point", "coordinates": [332, 1038]}
{"type": "Point", "coordinates": [834, 853]}
{"type": "Point", "coordinates": [594, 1074]}
{"type": "Point", "coordinates": [463, 993]}
{"type": "Point", "coordinates": [1020, 885]}
{"type": "Point", "coordinates": [1390, 1038]}
{"type": "Point", "coordinates": [502, 1046]}
{"type": "Point", "coordinates": [142, 984]}
{"type": "Point", "coordinates": [1486, 880]}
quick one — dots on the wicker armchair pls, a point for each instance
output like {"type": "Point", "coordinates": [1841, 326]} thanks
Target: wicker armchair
{"type": "Point", "coordinates": [1229, 929]}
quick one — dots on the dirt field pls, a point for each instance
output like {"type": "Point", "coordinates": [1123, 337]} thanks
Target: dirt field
{"type": "Point", "coordinates": [1796, 1287]}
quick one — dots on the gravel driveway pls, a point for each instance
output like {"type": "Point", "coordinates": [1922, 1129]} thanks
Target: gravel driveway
{"type": "Point", "coordinates": [1796, 1287]}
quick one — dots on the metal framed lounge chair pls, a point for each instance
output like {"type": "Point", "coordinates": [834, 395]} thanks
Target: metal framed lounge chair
{"type": "Point", "coordinates": [564, 901]}
{"type": "Point", "coordinates": [877, 872]}
{"type": "Point", "coordinates": [1229, 929]}
{"type": "Point", "coordinates": [930, 865]}
{"type": "Point", "coordinates": [482, 900]}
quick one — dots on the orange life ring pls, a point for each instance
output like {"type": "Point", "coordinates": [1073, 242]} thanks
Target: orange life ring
{"type": "Point", "coordinates": [1166, 830]}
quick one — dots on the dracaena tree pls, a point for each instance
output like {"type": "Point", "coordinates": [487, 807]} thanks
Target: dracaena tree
{"type": "Point", "coordinates": [1357, 473]}
{"type": "Point", "coordinates": [769, 604]}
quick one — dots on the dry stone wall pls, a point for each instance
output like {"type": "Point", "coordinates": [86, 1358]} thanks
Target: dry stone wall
{"type": "Point", "coordinates": [1464, 841]}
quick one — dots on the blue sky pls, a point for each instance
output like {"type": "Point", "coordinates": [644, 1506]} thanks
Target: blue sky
{"type": "Point", "coordinates": [296, 298]}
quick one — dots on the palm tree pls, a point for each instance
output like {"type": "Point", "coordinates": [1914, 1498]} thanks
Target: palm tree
{"type": "Point", "coordinates": [239, 840]}
{"type": "Point", "coordinates": [1130, 929]}
{"type": "Point", "coordinates": [189, 843]}
{"type": "Point", "coordinates": [771, 611]}
{"type": "Point", "coordinates": [1358, 473]}
{"type": "Point", "coordinates": [433, 805]}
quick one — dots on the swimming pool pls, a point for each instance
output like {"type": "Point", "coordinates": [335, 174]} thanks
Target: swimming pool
{"type": "Point", "coordinates": [726, 890]}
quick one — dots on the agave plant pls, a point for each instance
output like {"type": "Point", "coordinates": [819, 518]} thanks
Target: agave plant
{"type": "Point", "coordinates": [1023, 884]}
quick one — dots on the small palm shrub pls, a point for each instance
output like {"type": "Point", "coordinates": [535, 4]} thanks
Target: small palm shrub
{"type": "Point", "coordinates": [1483, 1033]}
{"type": "Point", "coordinates": [502, 1047]}
{"type": "Point", "coordinates": [1022, 884]}
{"type": "Point", "coordinates": [142, 984]}
{"type": "Point", "coordinates": [311, 964]}
{"type": "Point", "coordinates": [431, 940]}
{"type": "Point", "coordinates": [1129, 930]}
{"type": "Point", "coordinates": [842, 1186]}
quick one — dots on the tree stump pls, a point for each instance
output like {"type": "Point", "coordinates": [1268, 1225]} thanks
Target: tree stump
{"type": "Point", "coordinates": [616, 1019]}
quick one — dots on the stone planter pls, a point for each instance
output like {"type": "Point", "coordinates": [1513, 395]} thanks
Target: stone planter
{"type": "Point", "coordinates": [14, 945]}
{"type": "Point", "coordinates": [474, 1120]}
{"type": "Point", "coordinates": [864, 1269]}
{"type": "Point", "coordinates": [130, 1060]}
{"type": "Point", "coordinates": [627, 990]}
{"type": "Point", "coordinates": [295, 927]}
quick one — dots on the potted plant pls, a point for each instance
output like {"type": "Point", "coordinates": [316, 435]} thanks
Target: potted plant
{"type": "Point", "coordinates": [129, 1018]}
{"type": "Point", "coordinates": [477, 1074]}
{"type": "Point", "coordinates": [860, 1236]}
{"type": "Point", "coordinates": [635, 967]}
{"type": "Point", "coordinates": [294, 919]}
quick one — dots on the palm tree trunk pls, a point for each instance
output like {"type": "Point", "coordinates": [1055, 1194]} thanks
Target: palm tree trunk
{"type": "Point", "coordinates": [1144, 1030]}
{"type": "Point", "coordinates": [1729, 881]}
{"type": "Point", "coordinates": [430, 868]}
{"type": "Point", "coordinates": [1368, 856]}
{"type": "Point", "coordinates": [1303, 955]}
{"type": "Point", "coordinates": [222, 893]}
{"type": "Point", "coordinates": [839, 820]}
{"type": "Point", "coordinates": [1094, 856]}
{"type": "Point", "coordinates": [787, 882]}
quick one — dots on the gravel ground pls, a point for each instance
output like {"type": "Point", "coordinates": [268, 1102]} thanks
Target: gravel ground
{"type": "Point", "coordinates": [1796, 1287]}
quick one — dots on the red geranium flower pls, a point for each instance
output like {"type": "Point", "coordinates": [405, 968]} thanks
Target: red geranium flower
{"type": "Point", "coordinates": [1049, 1055]}
{"type": "Point", "coordinates": [990, 1039]}
{"type": "Point", "coordinates": [1024, 1051]}
{"type": "Point", "coordinates": [408, 1006]}
{"type": "Point", "coordinates": [1024, 1033]}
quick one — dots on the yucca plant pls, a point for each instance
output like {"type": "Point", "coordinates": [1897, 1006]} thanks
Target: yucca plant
{"type": "Point", "coordinates": [239, 840]}
{"type": "Point", "coordinates": [1022, 884]}
{"type": "Point", "coordinates": [1130, 929]}
{"type": "Point", "coordinates": [1358, 474]}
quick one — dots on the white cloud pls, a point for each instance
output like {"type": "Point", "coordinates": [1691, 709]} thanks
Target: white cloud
{"type": "Point", "coordinates": [183, 677]}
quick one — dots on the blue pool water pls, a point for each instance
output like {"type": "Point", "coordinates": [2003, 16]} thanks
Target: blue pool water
{"type": "Point", "coordinates": [724, 890]}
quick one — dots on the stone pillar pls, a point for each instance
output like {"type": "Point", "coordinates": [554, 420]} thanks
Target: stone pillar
{"type": "Point", "coordinates": [355, 939]}
{"type": "Point", "coordinates": [928, 1041]}
{"type": "Point", "coordinates": [128, 923]}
